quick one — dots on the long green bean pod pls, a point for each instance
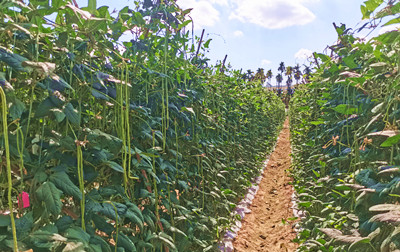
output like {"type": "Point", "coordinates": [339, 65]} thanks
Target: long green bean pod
{"type": "Point", "coordinates": [7, 147]}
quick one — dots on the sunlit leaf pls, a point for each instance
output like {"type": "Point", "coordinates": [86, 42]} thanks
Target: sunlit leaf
{"type": "Point", "coordinates": [346, 109]}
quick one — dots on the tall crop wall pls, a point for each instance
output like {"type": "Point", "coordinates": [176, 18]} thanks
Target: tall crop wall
{"type": "Point", "coordinates": [345, 139]}
{"type": "Point", "coordinates": [121, 146]}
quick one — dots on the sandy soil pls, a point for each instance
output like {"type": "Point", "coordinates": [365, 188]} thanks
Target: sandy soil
{"type": "Point", "coordinates": [263, 229]}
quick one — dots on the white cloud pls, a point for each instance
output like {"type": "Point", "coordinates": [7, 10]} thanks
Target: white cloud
{"type": "Point", "coordinates": [219, 2]}
{"type": "Point", "coordinates": [303, 54]}
{"type": "Point", "coordinates": [238, 33]}
{"type": "Point", "coordinates": [265, 62]}
{"type": "Point", "coordinates": [389, 28]}
{"type": "Point", "coordinates": [272, 14]}
{"type": "Point", "coordinates": [203, 14]}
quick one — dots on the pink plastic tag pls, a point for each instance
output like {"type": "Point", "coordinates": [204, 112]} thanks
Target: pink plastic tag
{"type": "Point", "coordinates": [23, 200]}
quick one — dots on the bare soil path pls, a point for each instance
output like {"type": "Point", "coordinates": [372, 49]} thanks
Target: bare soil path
{"type": "Point", "coordinates": [263, 229]}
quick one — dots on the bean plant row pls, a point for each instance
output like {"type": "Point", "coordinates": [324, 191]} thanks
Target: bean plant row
{"type": "Point", "coordinates": [345, 139]}
{"type": "Point", "coordinates": [121, 146]}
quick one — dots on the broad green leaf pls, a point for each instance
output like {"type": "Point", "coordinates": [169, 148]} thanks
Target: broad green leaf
{"type": "Point", "coordinates": [323, 57]}
{"type": "Point", "coordinates": [109, 210]}
{"type": "Point", "coordinates": [369, 7]}
{"type": "Point", "coordinates": [96, 248]}
{"type": "Point", "coordinates": [316, 123]}
{"type": "Point", "coordinates": [92, 6]}
{"type": "Point", "coordinates": [134, 218]}
{"type": "Point", "coordinates": [184, 24]}
{"type": "Point", "coordinates": [391, 141]}
{"type": "Point", "coordinates": [149, 221]}
{"type": "Point", "coordinates": [333, 68]}
{"type": "Point", "coordinates": [305, 204]}
{"type": "Point", "coordinates": [176, 230]}
{"type": "Point", "coordinates": [140, 244]}
{"type": "Point", "coordinates": [5, 220]}
{"type": "Point", "coordinates": [116, 167]}
{"type": "Point", "coordinates": [45, 239]}
{"type": "Point", "coordinates": [72, 114]}
{"type": "Point", "coordinates": [227, 191]}
{"type": "Point", "coordinates": [165, 239]}
{"type": "Point", "coordinates": [16, 109]}
{"type": "Point", "coordinates": [395, 8]}
{"type": "Point", "coordinates": [183, 184]}
{"type": "Point", "coordinates": [64, 183]}
{"type": "Point", "coordinates": [64, 223]}
{"type": "Point", "coordinates": [24, 225]}
{"type": "Point", "coordinates": [349, 61]}
{"type": "Point", "coordinates": [105, 141]}
{"type": "Point", "coordinates": [346, 109]}
{"type": "Point", "coordinates": [392, 21]}
{"type": "Point", "coordinates": [125, 242]}
{"type": "Point", "coordinates": [50, 196]}
{"type": "Point", "coordinates": [50, 228]}
{"type": "Point", "coordinates": [44, 108]}
{"type": "Point", "coordinates": [388, 37]}
{"type": "Point", "coordinates": [12, 59]}
{"type": "Point", "coordinates": [92, 205]}
{"type": "Point", "coordinates": [135, 209]}
{"type": "Point", "coordinates": [365, 12]}
{"type": "Point", "coordinates": [96, 240]}
{"type": "Point", "coordinates": [207, 43]}
{"type": "Point", "coordinates": [77, 234]}
{"type": "Point", "coordinates": [57, 3]}
{"type": "Point", "coordinates": [187, 109]}
{"type": "Point", "coordinates": [107, 192]}
{"type": "Point", "coordinates": [373, 4]}
{"type": "Point", "coordinates": [40, 177]}
{"type": "Point", "coordinates": [167, 166]}
{"type": "Point", "coordinates": [60, 116]}
{"type": "Point", "coordinates": [55, 82]}
{"type": "Point", "coordinates": [102, 225]}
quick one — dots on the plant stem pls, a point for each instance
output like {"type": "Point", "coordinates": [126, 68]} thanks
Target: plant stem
{"type": "Point", "coordinates": [7, 147]}
{"type": "Point", "coordinates": [81, 184]}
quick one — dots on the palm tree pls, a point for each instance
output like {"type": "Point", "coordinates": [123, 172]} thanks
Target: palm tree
{"type": "Point", "coordinates": [307, 74]}
{"type": "Point", "coordinates": [260, 75]}
{"type": "Point", "coordinates": [289, 81]}
{"type": "Point", "coordinates": [289, 71]}
{"type": "Point", "coordinates": [281, 69]}
{"type": "Point", "coordinates": [249, 75]}
{"type": "Point", "coordinates": [297, 73]}
{"type": "Point", "coordinates": [269, 77]}
{"type": "Point", "coordinates": [279, 80]}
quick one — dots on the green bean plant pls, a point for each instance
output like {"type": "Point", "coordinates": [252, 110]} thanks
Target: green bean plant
{"type": "Point", "coordinates": [345, 138]}
{"type": "Point", "coordinates": [121, 145]}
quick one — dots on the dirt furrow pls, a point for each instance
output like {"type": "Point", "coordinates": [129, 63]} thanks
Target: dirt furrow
{"type": "Point", "coordinates": [266, 228]}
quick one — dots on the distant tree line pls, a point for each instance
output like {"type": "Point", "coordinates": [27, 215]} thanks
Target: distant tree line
{"type": "Point", "coordinates": [291, 73]}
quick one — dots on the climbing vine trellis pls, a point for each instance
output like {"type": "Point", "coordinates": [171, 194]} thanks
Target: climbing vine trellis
{"type": "Point", "coordinates": [346, 141]}
{"type": "Point", "coordinates": [145, 148]}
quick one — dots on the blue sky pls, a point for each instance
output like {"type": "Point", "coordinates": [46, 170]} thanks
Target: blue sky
{"type": "Point", "coordinates": [262, 33]}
